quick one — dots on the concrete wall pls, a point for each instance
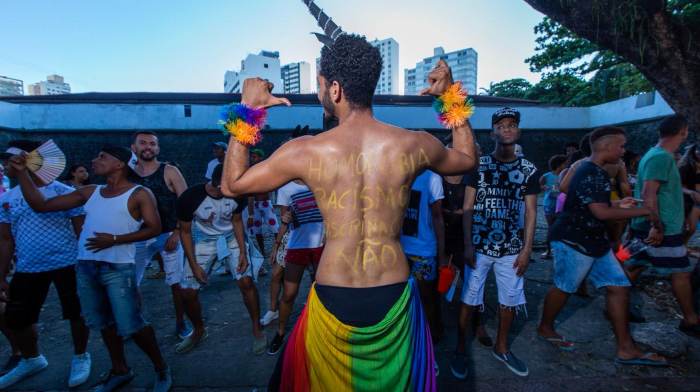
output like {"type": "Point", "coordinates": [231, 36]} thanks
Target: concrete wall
{"type": "Point", "coordinates": [628, 110]}
{"type": "Point", "coordinates": [82, 128]}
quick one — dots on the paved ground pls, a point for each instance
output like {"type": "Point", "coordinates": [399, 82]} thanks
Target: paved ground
{"type": "Point", "coordinates": [225, 362]}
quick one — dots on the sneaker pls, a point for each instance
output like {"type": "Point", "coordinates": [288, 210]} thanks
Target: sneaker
{"type": "Point", "coordinates": [269, 317]}
{"type": "Point", "coordinates": [185, 331]}
{"type": "Point", "coordinates": [276, 344]}
{"type": "Point", "coordinates": [187, 344]}
{"type": "Point", "coordinates": [11, 363]}
{"type": "Point", "coordinates": [458, 366]}
{"type": "Point", "coordinates": [24, 369]}
{"type": "Point", "coordinates": [79, 369]}
{"type": "Point", "coordinates": [259, 344]}
{"type": "Point", "coordinates": [113, 381]}
{"type": "Point", "coordinates": [164, 381]}
{"type": "Point", "coordinates": [514, 364]}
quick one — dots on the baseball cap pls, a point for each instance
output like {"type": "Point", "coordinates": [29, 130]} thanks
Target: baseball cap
{"type": "Point", "coordinates": [123, 154]}
{"type": "Point", "coordinates": [505, 112]}
{"type": "Point", "coordinates": [220, 145]}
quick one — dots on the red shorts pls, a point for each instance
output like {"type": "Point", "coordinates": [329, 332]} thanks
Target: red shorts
{"type": "Point", "coordinates": [304, 257]}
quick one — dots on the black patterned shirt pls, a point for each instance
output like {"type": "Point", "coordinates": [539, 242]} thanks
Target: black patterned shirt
{"type": "Point", "coordinates": [499, 208]}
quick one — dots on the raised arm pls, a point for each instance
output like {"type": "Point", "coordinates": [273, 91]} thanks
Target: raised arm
{"type": "Point", "coordinates": [462, 157]}
{"type": "Point", "coordinates": [238, 178]}
{"type": "Point", "coordinates": [39, 203]}
{"type": "Point", "coordinates": [283, 166]}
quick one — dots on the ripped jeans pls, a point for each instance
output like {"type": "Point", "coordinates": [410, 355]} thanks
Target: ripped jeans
{"type": "Point", "coordinates": [511, 292]}
{"type": "Point", "coordinates": [108, 296]}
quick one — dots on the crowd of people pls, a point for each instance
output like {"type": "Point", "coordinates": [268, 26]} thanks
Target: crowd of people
{"type": "Point", "coordinates": [95, 242]}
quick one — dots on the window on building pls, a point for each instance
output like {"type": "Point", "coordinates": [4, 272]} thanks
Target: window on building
{"type": "Point", "coordinates": [265, 65]}
{"type": "Point", "coordinates": [188, 110]}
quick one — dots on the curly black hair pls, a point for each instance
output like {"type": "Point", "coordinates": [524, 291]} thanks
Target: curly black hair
{"type": "Point", "coordinates": [355, 65]}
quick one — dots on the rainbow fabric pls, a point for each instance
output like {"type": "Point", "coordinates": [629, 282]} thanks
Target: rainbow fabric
{"type": "Point", "coordinates": [396, 354]}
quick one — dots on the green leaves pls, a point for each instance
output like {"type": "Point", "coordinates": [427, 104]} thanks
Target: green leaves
{"type": "Point", "coordinates": [576, 72]}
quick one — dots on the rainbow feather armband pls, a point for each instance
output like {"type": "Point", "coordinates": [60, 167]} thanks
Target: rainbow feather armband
{"type": "Point", "coordinates": [243, 123]}
{"type": "Point", "coordinates": [453, 106]}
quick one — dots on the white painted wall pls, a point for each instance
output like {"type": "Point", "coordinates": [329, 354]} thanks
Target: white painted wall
{"type": "Point", "coordinates": [624, 110]}
{"type": "Point", "coordinates": [10, 115]}
{"type": "Point", "coordinates": [204, 117]}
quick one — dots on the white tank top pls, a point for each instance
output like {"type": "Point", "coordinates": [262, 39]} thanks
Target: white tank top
{"type": "Point", "coordinates": [108, 215]}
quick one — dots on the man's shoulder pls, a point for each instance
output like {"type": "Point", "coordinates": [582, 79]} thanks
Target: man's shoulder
{"type": "Point", "coordinates": [656, 156]}
{"type": "Point", "coordinates": [172, 170]}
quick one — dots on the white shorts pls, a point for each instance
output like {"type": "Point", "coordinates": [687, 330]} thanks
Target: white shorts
{"type": "Point", "coordinates": [172, 261]}
{"type": "Point", "coordinates": [511, 291]}
{"type": "Point", "coordinates": [206, 253]}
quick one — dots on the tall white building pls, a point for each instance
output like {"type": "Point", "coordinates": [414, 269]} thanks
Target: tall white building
{"type": "Point", "coordinates": [53, 85]}
{"type": "Point", "coordinates": [389, 78]}
{"type": "Point", "coordinates": [265, 65]}
{"type": "Point", "coordinates": [296, 78]}
{"type": "Point", "coordinates": [11, 86]}
{"type": "Point", "coordinates": [462, 62]}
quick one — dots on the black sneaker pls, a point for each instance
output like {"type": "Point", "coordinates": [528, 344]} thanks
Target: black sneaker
{"type": "Point", "coordinates": [276, 344]}
{"type": "Point", "coordinates": [458, 366]}
{"type": "Point", "coordinates": [11, 363]}
{"type": "Point", "coordinates": [512, 362]}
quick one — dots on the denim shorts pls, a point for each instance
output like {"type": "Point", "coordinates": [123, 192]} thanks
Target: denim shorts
{"type": "Point", "coordinates": [109, 295]}
{"type": "Point", "coordinates": [205, 251]}
{"type": "Point", "coordinates": [572, 267]}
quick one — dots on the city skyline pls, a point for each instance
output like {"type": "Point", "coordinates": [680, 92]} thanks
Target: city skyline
{"type": "Point", "coordinates": [179, 46]}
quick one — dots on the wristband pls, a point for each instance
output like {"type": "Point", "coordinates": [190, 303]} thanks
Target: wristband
{"type": "Point", "coordinates": [453, 106]}
{"type": "Point", "coordinates": [243, 123]}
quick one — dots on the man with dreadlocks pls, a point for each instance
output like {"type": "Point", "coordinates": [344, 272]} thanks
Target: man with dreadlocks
{"type": "Point", "coordinates": [363, 327]}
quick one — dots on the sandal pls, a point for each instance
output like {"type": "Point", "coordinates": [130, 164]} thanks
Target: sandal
{"type": "Point", "coordinates": [644, 360]}
{"type": "Point", "coordinates": [559, 342]}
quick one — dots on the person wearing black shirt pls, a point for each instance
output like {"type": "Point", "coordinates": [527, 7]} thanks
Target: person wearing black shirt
{"type": "Point", "coordinates": [503, 207]}
{"type": "Point", "coordinates": [582, 248]}
{"type": "Point", "coordinates": [211, 228]}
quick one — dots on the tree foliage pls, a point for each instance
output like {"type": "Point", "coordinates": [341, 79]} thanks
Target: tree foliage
{"type": "Point", "coordinates": [575, 72]}
{"type": "Point", "coordinates": [622, 47]}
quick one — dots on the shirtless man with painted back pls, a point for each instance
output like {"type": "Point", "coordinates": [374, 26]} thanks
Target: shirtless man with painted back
{"type": "Point", "coordinates": [360, 173]}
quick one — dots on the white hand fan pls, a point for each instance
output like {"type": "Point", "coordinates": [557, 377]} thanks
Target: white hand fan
{"type": "Point", "coordinates": [47, 162]}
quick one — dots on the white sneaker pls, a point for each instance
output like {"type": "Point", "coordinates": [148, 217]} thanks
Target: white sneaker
{"type": "Point", "coordinates": [79, 369]}
{"type": "Point", "coordinates": [24, 369]}
{"type": "Point", "coordinates": [269, 317]}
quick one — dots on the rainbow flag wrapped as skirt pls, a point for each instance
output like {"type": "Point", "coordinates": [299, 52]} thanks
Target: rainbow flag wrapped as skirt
{"type": "Point", "coordinates": [396, 354]}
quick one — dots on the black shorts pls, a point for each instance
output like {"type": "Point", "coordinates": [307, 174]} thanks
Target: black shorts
{"type": "Point", "coordinates": [28, 292]}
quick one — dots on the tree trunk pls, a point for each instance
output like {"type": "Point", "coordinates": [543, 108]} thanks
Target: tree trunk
{"type": "Point", "coordinates": [642, 32]}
